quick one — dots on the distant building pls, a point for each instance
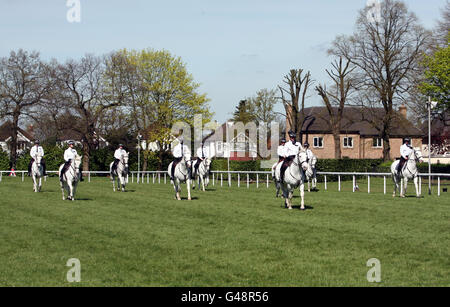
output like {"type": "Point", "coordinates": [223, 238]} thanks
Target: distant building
{"type": "Point", "coordinates": [24, 138]}
{"type": "Point", "coordinates": [359, 137]}
{"type": "Point", "coordinates": [67, 135]}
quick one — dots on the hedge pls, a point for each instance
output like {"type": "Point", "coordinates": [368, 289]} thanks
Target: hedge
{"type": "Point", "coordinates": [101, 158]}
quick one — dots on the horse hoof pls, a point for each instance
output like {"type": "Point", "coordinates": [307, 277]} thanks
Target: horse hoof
{"type": "Point", "coordinates": [290, 208]}
{"type": "Point", "coordinates": [303, 209]}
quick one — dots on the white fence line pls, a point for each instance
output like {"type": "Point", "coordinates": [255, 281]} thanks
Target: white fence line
{"type": "Point", "coordinates": [156, 176]}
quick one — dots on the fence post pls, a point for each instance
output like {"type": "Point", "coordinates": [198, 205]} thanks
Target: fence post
{"type": "Point", "coordinates": [165, 181]}
{"type": "Point", "coordinates": [439, 186]}
{"type": "Point", "coordinates": [153, 178]}
{"type": "Point", "coordinates": [221, 179]}
{"type": "Point", "coordinates": [132, 177]}
{"type": "Point", "coordinates": [214, 183]}
{"type": "Point", "coordinates": [325, 182]}
{"type": "Point", "coordinates": [354, 183]}
{"type": "Point", "coordinates": [257, 181]}
{"type": "Point", "coordinates": [384, 187]}
{"type": "Point", "coordinates": [229, 179]}
{"type": "Point", "coordinates": [248, 181]}
{"type": "Point", "coordinates": [368, 184]}
{"type": "Point", "coordinates": [159, 178]}
{"type": "Point", "coordinates": [239, 180]}
{"type": "Point", "coordinates": [339, 183]}
{"type": "Point", "coordinates": [23, 176]}
{"type": "Point", "coordinates": [267, 180]}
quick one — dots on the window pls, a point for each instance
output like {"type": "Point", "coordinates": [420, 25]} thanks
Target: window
{"type": "Point", "coordinates": [377, 142]}
{"type": "Point", "coordinates": [348, 142]}
{"type": "Point", "coordinates": [318, 142]}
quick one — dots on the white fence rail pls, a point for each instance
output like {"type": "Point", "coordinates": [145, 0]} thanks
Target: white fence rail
{"type": "Point", "coordinates": [263, 178]}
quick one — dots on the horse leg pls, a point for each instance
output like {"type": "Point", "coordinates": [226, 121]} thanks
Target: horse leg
{"type": "Point", "coordinates": [203, 183]}
{"type": "Point", "coordinates": [40, 184]}
{"type": "Point", "coordinates": [302, 196]}
{"type": "Point", "coordinates": [416, 183]}
{"type": "Point", "coordinates": [405, 186]}
{"type": "Point", "coordinates": [177, 189]}
{"type": "Point", "coordinates": [113, 182]}
{"type": "Point", "coordinates": [74, 190]}
{"type": "Point", "coordinates": [309, 186]}
{"type": "Point", "coordinates": [62, 189]}
{"type": "Point", "coordinates": [290, 195]}
{"type": "Point", "coordinates": [394, 179]}
{"type": "Point", "coordinates": [188, 183]}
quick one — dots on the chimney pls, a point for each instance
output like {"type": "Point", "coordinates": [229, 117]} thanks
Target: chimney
{"type": "Point", "coordinates": [403, 111]}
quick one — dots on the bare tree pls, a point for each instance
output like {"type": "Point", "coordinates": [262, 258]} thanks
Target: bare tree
{"type": "Point", "coordinates": [386, 54]}
{"type": "Point", "coordinates": [336, 98]}
{"type": "Point", "coordinates": [83, 84]}
{"type": "Point", "coordinates": [293, 97]}
{"type": "Point", "coordinates": [22, 87]}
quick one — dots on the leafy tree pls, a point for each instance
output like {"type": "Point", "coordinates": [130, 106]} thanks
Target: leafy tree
{"type": "Point", "coordinates": [244, 112]}
{"type": "Point", "coordinates": [159, 93]}
{"type": "Point", "coordinates": [437, 77]}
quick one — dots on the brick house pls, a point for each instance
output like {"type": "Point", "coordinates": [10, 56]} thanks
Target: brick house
{"type": "Point", "coordinates": [360, 139]}
{"type": "Point", "coordinates": [24, 138]}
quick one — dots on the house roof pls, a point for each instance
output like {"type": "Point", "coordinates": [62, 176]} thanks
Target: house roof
{"type": "Point", "coordinates": [356, 120]}
{"type": "Point", "coordinates": [6, 132]}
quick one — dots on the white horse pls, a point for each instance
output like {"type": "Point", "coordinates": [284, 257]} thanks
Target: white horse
{"type": "Point", "coordinates": [121, 173]}
{"type": "Point", "coordinates": [202, 173]}
{"type": "Point", "coordinates": [181, 174]}
{"type": "Point", "coordinates": [409, 171]}
{"type": "Point", "coordinates": [70, 178]}
{"type": "Point", "coordinates": [294, 177]}
{"type": "Point", "coordinates": [277, 182]}
{"type": "Point", "coordinates": [311, 176]}
{"type": "Point", "coordinates": [37, 172]}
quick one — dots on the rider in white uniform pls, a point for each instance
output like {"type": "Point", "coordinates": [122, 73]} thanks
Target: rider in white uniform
{"type": "Point", "coordinates": [180, 151]}
{"type": "Point", "coordinates": [292, 149]}
{"type": "Point", "coordinates": [202, 154]}
{"type": "Point", "coordinates": [37, 150]}
{"type": "Point", "coordinates": [312, 159]}
{"type": "Point", "coordinates": [117, 156]}
{"type": "Point", "coordinates": [69, 155]}
{"type": "Point", "coordinates": [405, 151]}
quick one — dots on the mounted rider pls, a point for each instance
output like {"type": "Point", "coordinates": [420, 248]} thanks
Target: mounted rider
{"type": "Point", "coordinates": [69, 156]}
{"type": "Point", "coordinates": [202, 154]}
{"type": "Point", "coordinates": [311, 157]}
{"type": "Point", "coordinates": [291, 151]}
{"type": "Point", "coordinates": [180, 151]}
{"type": "Point", "coordinates": [117, 157]}
{"type": "Point", "coordinates": [35, 151]}
{"type": "Point", "coordinates": [405, 151]}
{"type": "Point", "coordinates": [281, 151]}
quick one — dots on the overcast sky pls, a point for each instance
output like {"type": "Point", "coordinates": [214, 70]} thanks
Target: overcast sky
{"type": "Point", "coordinates": [233, 48]}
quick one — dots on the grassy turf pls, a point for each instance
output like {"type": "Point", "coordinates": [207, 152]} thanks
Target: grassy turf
{"type": "Point", "coordinates": [224, 237]}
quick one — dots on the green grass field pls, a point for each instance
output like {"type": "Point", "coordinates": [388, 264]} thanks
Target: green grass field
{"type": "Point", "coordinates": [224, 237]}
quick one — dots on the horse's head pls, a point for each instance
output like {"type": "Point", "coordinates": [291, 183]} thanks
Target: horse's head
{"type": "Point", "coordinates": [125, 159]}
{"type": "Point", "coordinates": [77, 163]}
{"type": "Point", "coordinates": [207, 162]}
{"type": "Point", "coordinates": [303, 160]}
{"type": "Point", "coordinates": [417, 155]}
{"type": "Point", "coordinates": [38, 159]}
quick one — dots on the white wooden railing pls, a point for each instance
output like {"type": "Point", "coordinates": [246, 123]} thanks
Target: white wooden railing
{"type": "Point", "coordinates": [262, 178]}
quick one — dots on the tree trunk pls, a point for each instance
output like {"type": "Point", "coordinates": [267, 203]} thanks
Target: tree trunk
{"type": "Point", "coordinates": [14, 139]}
{"type": "Point", "coordinates": [337, 145]}
{"type": "Point", "coordinates": [86, 156]}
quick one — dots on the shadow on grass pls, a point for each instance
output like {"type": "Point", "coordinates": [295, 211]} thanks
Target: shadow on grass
{"type": "Point", "coordinates": [306, 207]}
